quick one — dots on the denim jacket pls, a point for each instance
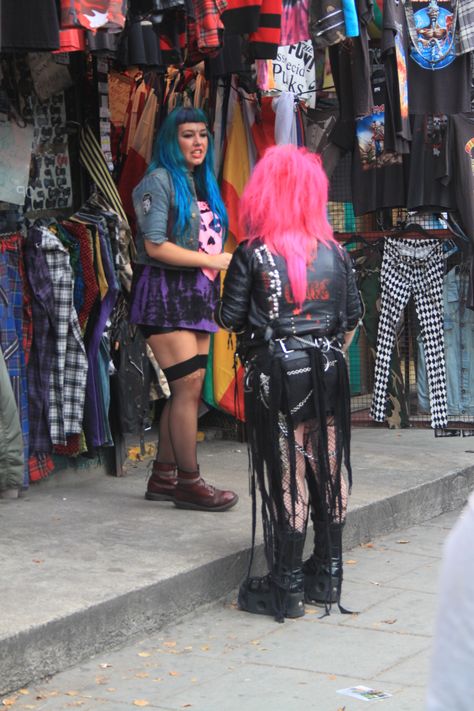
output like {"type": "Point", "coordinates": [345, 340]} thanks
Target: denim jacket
{"type": "Point", "coordinates": [154, 205]}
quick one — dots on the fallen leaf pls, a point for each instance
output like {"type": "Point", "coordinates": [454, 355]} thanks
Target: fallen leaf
{"type": "Point", "coordinates": [10, 701]}
{"type": "Point", "coordinates": [173, 673]}
{"type": "Point", "coordinates": [255, 641]}
{"type": "Point", "coordinates": [158, 678]}
{"type": "Point", "coordinates": [25, 692]}
{"type": "Point", "coordinates": [186, 706]}
{"type": "Point", "coordinates": [169, 644]}
{"type": "Point", "coordinates": [72, 693]}
{"type": "Point", "coordinates": [144, 654]}
{"type": "Point", "coordinates": [374, 582]}
{"type": "Point", "coordinates": [311, 612]}
{"type": "Point", "coordinates": [105, 665]}
{"type": "Point", "coordinates": [389, 622]}
{"type": "Point", "coordinates": [332, 677]}
{"type": "Point", "coordinates": [188, 649]}
{"type": "Point", "coordinates": [341, 708]}
{"type": "Point", "coordinates": [37, 561]}
{"type": "Point", "coordinates": [351, 562]}
{"type": "Point", "coordinates": [366, 545]}
{"type": "Point", "coordinates": [141, 702]}
{"type": "Point", "coordinates": [111, 688]}
{"type": "Point", "coordinates": [204, 647]}
{"type": "Point", "coordinates": [403, 541]}
{"type": "Point", "coordinates": [194, 680]}
{"type": "Point", "coordinates": [142, 675]}
{"type": "Point", "coordinates": [101, 680]}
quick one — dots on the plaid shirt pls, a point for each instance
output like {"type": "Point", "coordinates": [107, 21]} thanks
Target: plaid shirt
{"type": "Point", "coordinates": [465, 26]}
{"type": "Point", "coordinates": [13, 246]}
{"type": "Point", "coordinates": [11, 326]}
{"type": "Point", "coordinates": [209, 27]}
{"type": "Point", "coordinates": [44, 343]}
{"type": "Point", "coordinates": [69, 367]}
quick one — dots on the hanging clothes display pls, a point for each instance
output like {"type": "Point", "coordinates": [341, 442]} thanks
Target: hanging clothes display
{"type": "Point", "coordinates": [460, 171]}
{"type": "Point", "coordinates": [458, 347]}
{"type": "Point", "coordinates": [439, 82]}
{"type": "Point", "coordinates": [12, 462]}
{"type": "Point", "coordinates": [69, 365]}
{"type": "Point", "coordinates": [368, 263]}
{"type": "Point", "coordinates": [412, 267]}
{"type": "Point", "coordinates": [388, 112]}
{"type": "Point", "coordinates": [377, 173]}
{"type": "Point", "coordinates": [15, 328]}
{"type": "Point", "coordinates": [29, 25]}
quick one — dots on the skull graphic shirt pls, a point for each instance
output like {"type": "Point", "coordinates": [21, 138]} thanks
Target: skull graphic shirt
{"type": "Point", "coordinates": [210, 236]}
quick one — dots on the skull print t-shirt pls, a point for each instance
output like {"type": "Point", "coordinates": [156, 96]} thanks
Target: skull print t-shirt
{"type": "Point", "coordinates": [438, 81]}
{"type": "Point", "coordinates": [210, 236]}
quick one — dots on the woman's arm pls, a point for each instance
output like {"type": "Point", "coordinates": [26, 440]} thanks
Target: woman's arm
{"type": "Point", "coordinates": [233, 308]}
{"type": "Point", "coordinates": [348, 336]}
{"type": "Point", "coordinates": [170, 253]}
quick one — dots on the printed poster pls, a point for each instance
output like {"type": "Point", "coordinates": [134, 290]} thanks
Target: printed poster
{"type": "Point", "coordinates": [294, 71]}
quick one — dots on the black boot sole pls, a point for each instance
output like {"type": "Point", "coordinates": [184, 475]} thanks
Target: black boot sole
{"type": "Point", "coordinates": [318, 591]}
{"type": "Point", "coordinates": [262, 604]}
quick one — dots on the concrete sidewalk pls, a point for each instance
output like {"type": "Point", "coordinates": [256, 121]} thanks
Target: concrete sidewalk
{"type": "Point", "coordinates": [222, 659]}
{"type": "Point", "coordinates": [87, 564]}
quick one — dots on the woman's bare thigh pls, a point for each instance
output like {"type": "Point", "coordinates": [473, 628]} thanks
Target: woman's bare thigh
{"type": "Point", "coordinates": [178, 346]}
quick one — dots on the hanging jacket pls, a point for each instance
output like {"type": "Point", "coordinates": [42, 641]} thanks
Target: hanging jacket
{"type": "Point", "coordinates": [11, 440]}
{"type": "Point", "coordinates": [257, 295]}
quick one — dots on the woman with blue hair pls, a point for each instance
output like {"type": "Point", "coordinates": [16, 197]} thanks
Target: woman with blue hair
{"type": "Point", "coordinates": [181, 227]}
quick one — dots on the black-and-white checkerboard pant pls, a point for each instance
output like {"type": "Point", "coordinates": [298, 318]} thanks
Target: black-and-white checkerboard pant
{"type": "Point", "coordinates": [412, 268]}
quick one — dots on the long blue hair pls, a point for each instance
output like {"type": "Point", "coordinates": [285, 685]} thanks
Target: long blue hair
{"type": "Point", "coordinates": [167, 154]}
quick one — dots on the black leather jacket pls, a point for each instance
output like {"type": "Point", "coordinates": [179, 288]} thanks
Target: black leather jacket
{"type": "Point", "coordinates": [257, 295]}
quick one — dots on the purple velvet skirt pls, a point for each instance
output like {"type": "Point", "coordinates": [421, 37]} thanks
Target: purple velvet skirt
{"type": "Point", "coordinates": [168, 298]}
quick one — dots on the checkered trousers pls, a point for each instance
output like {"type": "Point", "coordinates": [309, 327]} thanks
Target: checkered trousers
{"type": "Point", "coordinates": [69, 367]}
{"type": "Point", "coordinates": [412, 268]}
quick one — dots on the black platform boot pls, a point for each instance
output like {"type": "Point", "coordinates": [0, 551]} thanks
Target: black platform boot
{"type": "Point", "coordinates": [323, 570]}
{"type": "Point", "coordinates": [280, 593]}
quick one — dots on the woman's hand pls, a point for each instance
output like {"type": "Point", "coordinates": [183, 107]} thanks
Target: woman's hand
{"type": "Point", "coordinates": [219, 261]}
{"type": "Point", "coordinates": [177, 256]}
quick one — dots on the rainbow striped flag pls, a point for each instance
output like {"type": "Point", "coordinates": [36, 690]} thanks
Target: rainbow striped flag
{"type": "Point", "coordinates": [223, 386]}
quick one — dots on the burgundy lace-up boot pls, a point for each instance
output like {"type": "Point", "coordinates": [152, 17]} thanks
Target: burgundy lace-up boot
{"type": "Point", "coordinates": [192, 492]}
{"type": "Point", "coordinates": [162, 482]}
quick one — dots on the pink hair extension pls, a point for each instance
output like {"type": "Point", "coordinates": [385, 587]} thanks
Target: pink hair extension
{"type": "Point", "coordinates": [284, 205]}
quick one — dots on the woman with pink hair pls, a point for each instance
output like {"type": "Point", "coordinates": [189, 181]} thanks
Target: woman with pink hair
{"type": "Point", "coordinates": [291, 295]}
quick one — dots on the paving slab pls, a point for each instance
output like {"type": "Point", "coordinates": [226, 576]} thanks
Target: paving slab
{"type": "Point", "coordinates": [88, 564]}
{"type": "Point", "coordinates": [221, 658]}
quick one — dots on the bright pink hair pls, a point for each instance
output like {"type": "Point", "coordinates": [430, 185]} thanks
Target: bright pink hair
{"type": "Point", "coordinates": [284, 205]}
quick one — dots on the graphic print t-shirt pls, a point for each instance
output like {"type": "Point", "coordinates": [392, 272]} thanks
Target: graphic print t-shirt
{"type": "Point", "coordinates": [377, 173]}
{"type": "Point", "coordinates": [427, 165]}
{"type": "Point", "coordinates": [461, 167]}
{"type": "Point", "coordinates": [395, 52]}
{"type": "Point", "coordinates": [438, 81]}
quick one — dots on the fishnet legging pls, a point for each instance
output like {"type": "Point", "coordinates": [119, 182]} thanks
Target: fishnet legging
{"type": "Point", "coordinates": [328, 502]}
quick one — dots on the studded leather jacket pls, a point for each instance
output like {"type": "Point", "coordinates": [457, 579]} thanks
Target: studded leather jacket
{"type": "Point", "coordinates": [257, 299]}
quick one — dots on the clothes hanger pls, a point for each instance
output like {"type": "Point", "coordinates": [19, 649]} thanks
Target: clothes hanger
{"type": "Point", "coordinates": [412, 229]}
